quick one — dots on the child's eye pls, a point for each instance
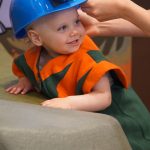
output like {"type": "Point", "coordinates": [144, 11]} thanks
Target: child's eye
{"type": "Point", "coordinates": [77, 21]}
{"type": "Point", "coordinates": [62, 28]}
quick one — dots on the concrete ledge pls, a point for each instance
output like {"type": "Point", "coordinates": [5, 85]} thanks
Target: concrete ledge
{"type": "Point", "coordinates": [24, 125]}
{"type": "Point", "coordinates": [31, 127]}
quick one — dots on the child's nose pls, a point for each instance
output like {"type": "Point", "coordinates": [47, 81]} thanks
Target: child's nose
{"type": "Point", "coordinates": [74, 32]}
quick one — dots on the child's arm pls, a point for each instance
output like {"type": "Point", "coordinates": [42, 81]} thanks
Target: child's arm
{"type": "Point", "coordinates": [23, 86]}
{"type": "Point", "coordinates": [98, 99]}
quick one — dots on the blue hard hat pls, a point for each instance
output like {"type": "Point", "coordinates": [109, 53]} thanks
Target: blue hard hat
{"type": "Point", "coordinates": [24, 12]}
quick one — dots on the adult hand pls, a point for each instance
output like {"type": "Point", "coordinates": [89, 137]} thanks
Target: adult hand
{"type": "Point", "coordinates": [90, 24]}
{"type": "Point", "coordinates": [104, 10]}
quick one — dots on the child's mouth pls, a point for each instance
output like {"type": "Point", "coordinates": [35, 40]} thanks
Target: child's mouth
{"type": "Point", "coordinates": [74, 42]}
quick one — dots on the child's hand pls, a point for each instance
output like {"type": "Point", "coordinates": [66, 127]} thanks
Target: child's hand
{"type": "Point", "coordinates": [23, 86]}
{"type": "Point", "coordinates": [57, 103]}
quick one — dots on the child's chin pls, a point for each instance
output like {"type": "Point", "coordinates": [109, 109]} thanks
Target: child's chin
{"type": "Point", "coordinates": [74, 50]}
{"type": "Point", "coordinates": [70, 51]}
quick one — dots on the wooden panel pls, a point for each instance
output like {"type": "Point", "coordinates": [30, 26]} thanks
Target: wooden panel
{"type": "Point", "coordinates": [141, 63]}
{"type": "Point", "coordinates": [141, 68]}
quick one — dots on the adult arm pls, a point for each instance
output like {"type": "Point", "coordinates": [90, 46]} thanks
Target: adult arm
{"type": "Point", "coordinates": [114, 27]}
{"type": "Point", "coordinates": [126, 9]}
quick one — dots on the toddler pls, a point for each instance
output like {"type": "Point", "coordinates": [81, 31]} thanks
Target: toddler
{"type": "Point", "coordinates": [67, 67]}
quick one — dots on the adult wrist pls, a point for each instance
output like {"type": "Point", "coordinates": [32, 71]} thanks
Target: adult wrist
{"type": "Point", "coordinates": [126, 8]}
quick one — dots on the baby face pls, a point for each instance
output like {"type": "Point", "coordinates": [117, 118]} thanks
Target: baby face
{"type": "Point", "coordinates": [61, 32]}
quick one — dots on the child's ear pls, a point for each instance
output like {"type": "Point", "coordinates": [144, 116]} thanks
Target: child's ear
{"type": "Point", "coordinates": [35, 37]}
